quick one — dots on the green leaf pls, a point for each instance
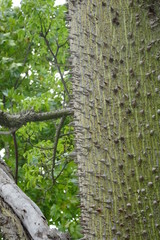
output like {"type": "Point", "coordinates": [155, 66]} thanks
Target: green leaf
{"type": "Point", "coordinates": [6, 59]}
{"type": "Point", "coordinates": [12, 43]}
{"type": "Point", "coordinates": [5, 92]}
{"type": "Point", "coordinates": [16, 65]}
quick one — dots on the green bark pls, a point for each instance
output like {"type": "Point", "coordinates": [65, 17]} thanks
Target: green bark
{"type": "Point", "coordinates": [116, 80]}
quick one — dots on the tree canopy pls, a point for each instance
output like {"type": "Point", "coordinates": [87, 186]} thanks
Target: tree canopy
{"type": "Point", "coordinates": [35, 82]}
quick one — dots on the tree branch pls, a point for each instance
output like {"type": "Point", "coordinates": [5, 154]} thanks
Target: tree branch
{"type": "Point", "coordinates": [17, 83]}
{"type": "Point", "coordinates": [41, 148]}
{"type": "Point", "coordinates": [59, 46]}
{"type": "Point", "coordinates": [56, 62]}
{"type": "Point", "coordinates": [6, 132]}
{"type": "Point", "coordinates": [55, 145]}
{"type": "Point", "coordinates": [59, 174]}
{"type": "Point", "coordinates": [16, 156]}
{"type": "Point", "coordinates": [18, 120]}
{"type": "Point", "coordinates": [31, 217]}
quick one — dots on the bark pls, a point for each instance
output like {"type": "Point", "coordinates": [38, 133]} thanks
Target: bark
{"type": "Point", "coordinates": [15, 121]}
{"type": "Point", "coordinates": [11, 227]}
{"type": "Point", "coordinates": [116, 81]}
{"type": "Point", "coordinates": [20, 218]}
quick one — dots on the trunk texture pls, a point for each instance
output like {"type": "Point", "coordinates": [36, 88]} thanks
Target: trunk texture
{"type": "Point", "coordinates": [115, 53]}
{"type": "Point", "coordinates": [11, 227]}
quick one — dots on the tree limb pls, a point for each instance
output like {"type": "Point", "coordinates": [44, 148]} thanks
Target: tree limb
{"type": "Point", "coordinates": [18, 120]}
{"type": "Point", "coordinates": [32, 219]}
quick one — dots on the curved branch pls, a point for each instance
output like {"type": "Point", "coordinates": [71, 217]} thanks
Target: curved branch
{"type": "Point", "coordinates": [32, 220]}
{"type": "Point", "coordinates": [18, 120]}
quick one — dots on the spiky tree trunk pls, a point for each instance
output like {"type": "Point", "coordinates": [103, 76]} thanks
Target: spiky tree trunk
{"type": "Point", "coordinates": [115, 50]}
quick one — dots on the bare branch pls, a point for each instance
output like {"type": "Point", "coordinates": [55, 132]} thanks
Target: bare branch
{"type": "Point", "coordinates": [47, 31]}
{"type": "Point", "coordinates": [31, 217]}
{"type": "Point", "coordinates": [12, 130]}
{"type": "Point", "coordinates": [59, 46]}
{"type": "Point", "coordinates": [43, 27]}
{"type": "Point", "coordinates": [41, 148]}
{"type": "Point", "coordinates": [59, 174]}
{"type": "Point", "coordinates": [55, 62]}
{"type": "Point", "coordinates": [16, 156]}
{"type": "Point", "coordinates": [66, 134]}
{"type": "Point", "coordinates": [55, 145]}
{"type": "Point", "coordinates": [18, 120]}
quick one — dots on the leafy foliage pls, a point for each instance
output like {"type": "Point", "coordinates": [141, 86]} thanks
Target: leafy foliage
{"type": "Point", "coordinates": [33, 70]}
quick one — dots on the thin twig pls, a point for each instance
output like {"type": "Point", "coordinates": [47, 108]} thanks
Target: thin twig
{"type": "Point", "coordinates": [42, 148]}
{"type": "Point", "coordinates": [5, 132]}
{"type": "Point", "coordinates": [56, 63]}
{"type": "Point", "coordinates": [55, 145]}
{"type": "Point", "coordinates": [16, 156]}
{"type": "Point", "coordinates": [44, 27]}
{"type": "Point", "coordinates": [66, 134]}
{"type": "Point", "coordinates": [59, 46]}
{"type": "Point", "coordinates": [47, 31]}
{"type": "Point", "coordinates": [8, 132]}
{"type": "Point", "coordinates": [61, 171]}
{"type": "Point", "coordinates": [17, 83]}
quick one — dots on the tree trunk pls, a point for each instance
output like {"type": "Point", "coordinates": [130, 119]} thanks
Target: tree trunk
{"type": "Point", "coordinates": [116, 85]}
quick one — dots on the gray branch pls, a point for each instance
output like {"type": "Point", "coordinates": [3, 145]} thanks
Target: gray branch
{"type": "Point", "coordinates": [18, 120]}
{"type": "Point", "coordinates": [31, 217]}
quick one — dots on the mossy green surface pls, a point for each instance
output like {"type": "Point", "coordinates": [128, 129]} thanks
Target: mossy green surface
{"type": "Point", "coordinates": [115, 49]}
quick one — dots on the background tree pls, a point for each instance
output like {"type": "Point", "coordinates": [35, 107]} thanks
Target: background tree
{"type": "Point", "coordinates": [116, 81]}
